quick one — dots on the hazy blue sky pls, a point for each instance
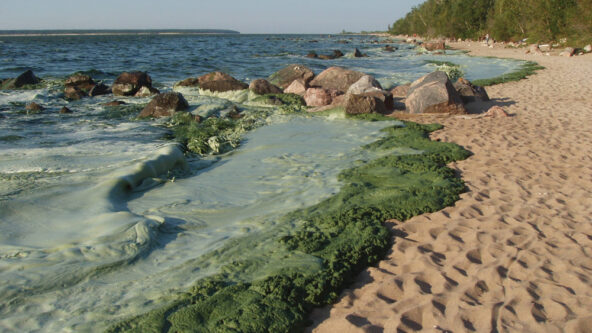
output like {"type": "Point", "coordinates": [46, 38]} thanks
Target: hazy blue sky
{"type": "Point", "coordinates": [261, 16]}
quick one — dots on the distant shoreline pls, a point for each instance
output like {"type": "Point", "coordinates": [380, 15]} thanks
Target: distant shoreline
{"type": "Point", "coordinates": [117, 32]}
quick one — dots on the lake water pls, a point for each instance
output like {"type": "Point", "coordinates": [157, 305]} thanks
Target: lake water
{"type": "Point", "coordinates": [102, 218]}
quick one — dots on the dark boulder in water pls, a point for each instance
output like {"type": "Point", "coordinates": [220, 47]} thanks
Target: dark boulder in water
{"type": "Point", "coordinates": [358, 54]}
{"type": "Point", "coordinates": [26, 78]}
{"type": "Point", "coordinates": [336, 54]}
{"type": "Point", "coordinates": [73, 93]}
{"type": "Point", "coordinates": [312, 55]}
{"type": "Point", "coordinates": [34, 107]}
{"type": "Point", "coordinates": [285, 76]}
{"type": "Point", "coordinates": [220, 82]}
{"type": "Point", "coordinates": [434, 93]}
{"type": "Point", "coordinates": [65, 110]}
{"type": "Point", "coordinates": [99, 89]}
{"type": "Point", "coordinates": [84, 82]}
{"type": "Point", "coordinates": [389, 48]}
{"type": "Point", "coordinates": [469, 92]}
{"type": "Point", "coordinates": [128, 83]}
{"type": "Point", "coordinates": [164, 105]}
{"type": "Point", "coordinates": [336, 78]}
{"type": "Point", "coordinates": [262, 87]}
{"type": "Point", "coordinates": [114, 103]}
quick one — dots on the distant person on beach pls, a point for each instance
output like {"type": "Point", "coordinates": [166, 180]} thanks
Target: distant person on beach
{"type": "Point", "coordinates": [487, 39]}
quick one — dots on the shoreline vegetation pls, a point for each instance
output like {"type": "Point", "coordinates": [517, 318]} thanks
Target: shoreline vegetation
{"type": "Point", "coordinates": [567, 22]}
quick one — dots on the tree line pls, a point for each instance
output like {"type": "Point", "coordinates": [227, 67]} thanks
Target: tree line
{"type": "Point", "coordinates": [507, 20]}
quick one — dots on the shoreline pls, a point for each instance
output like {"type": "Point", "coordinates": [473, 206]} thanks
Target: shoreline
{"type": "Point", "coordinates": [513, 253]}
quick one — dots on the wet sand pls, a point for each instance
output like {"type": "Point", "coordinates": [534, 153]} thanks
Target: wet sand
{"type": "Point", "coordinates": [515, 253]}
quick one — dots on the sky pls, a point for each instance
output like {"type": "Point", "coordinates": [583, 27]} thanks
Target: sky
{"type": "Point", "coordinates": [261, 16]}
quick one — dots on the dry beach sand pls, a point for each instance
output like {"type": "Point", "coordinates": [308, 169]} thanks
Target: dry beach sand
{"type": "Point", "coordinates": [515, 253]}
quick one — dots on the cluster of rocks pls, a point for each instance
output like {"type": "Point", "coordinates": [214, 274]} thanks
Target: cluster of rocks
{"type": "Point", "coordinates": [334, 87]}
{"type": "Point", "coordinates": [25, 79]}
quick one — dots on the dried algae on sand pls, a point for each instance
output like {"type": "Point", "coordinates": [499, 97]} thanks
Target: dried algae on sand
{"type": "Point", "coordinates": [325, 246]}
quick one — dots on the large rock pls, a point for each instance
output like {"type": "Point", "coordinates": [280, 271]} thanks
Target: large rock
{"type": "Point", "coordinates": [262, 87]}
{"type": "Point", "coordinates": [366, 83]}
{"type": "Point", "coordinates": [469, 92]}
{"type": "Point", "coordinates": [434, 93]}
{"type": "Point", "coordinates": [318, 97]}
{"type": "Point", "coordinates": [73, 93]}
{"type": "Point", "coordinates": [220, 82]}
{"type": "Point", "coordinates": [588, 48]}
{"type": "Point", "coordinates": [285, 76]}
{"type": "Point", "coordinates": [336, 78]}
{"type": "Point", "coordinates": [99, 89]}
{"type": "Point", "coordinates": [164, 105]}
{"type": "Point", "coordinates": [128, 83]}
{"type": "Point", "coordinates": [433, 46]}
{"type": "Point", "coordinates": [297, 87]}
{"type": "Point", "coordinates": [401, 91]}
{"type": "Point", "coordinates": [365, 103]}
{"type": "Point", "coordinates": [24, 79]}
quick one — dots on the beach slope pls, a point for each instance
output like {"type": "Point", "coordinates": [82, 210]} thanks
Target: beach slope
{"type": "Point", "coordinates": [515, 253]}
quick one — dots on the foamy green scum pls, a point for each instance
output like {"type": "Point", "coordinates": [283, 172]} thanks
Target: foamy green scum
{"type": "Point", "coordinates": [326, 245]}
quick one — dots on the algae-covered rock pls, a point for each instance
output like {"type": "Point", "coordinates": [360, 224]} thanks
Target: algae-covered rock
{"type": "Point", "coordinates": [164, 105]}
{"type": "Point", "coordinates": [284, 77]}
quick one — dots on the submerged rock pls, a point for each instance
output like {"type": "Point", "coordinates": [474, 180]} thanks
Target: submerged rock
{"type": "Point", "coordinates": [434, 93]}
{"type": "Point", "coordinates": [26, 78]}
{"type": "Point", "coordinates": [34, 107]}
{"type": "Point", "coordinates": [285, 76]}
{"type": "Point", "coordinates": [128, 83]}
{"type": "Point", "coordinates": [114, 103]}
{"type": "Point", "coordinates": [262, 87]}
{"type": "Point", "coordinates": [358, 54]}
{"type": "Point", "coordinates": [312, 55]}
{"type": "Point", "coordinates": [220, 82]}
{"type": "Point", "coordinates": [336, 54]}
{"type": "Point", "coordinates": [336, 78]}
{"type": "Point", "coordinates": [469, 92]}
{"type": "Point", "coordinates": [389, 48]}
{"type": "Point", "coordinates": [164, 105]}
{"type": "Point", "coordinates": [65, 110]}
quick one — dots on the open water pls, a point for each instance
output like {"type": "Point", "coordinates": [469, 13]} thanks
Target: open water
{"type": "Point", "coordinates": [102, 218]}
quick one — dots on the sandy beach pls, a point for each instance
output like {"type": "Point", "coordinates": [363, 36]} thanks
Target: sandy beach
{"type": "Point", "coordinates": [515, 253]}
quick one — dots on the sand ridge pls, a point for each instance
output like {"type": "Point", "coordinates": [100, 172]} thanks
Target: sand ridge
{"type": "Point", "coordinates": [515, 253]}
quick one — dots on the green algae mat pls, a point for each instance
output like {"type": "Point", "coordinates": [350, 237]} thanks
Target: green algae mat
{"type": "Point", "coordinates": [325, 246]}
